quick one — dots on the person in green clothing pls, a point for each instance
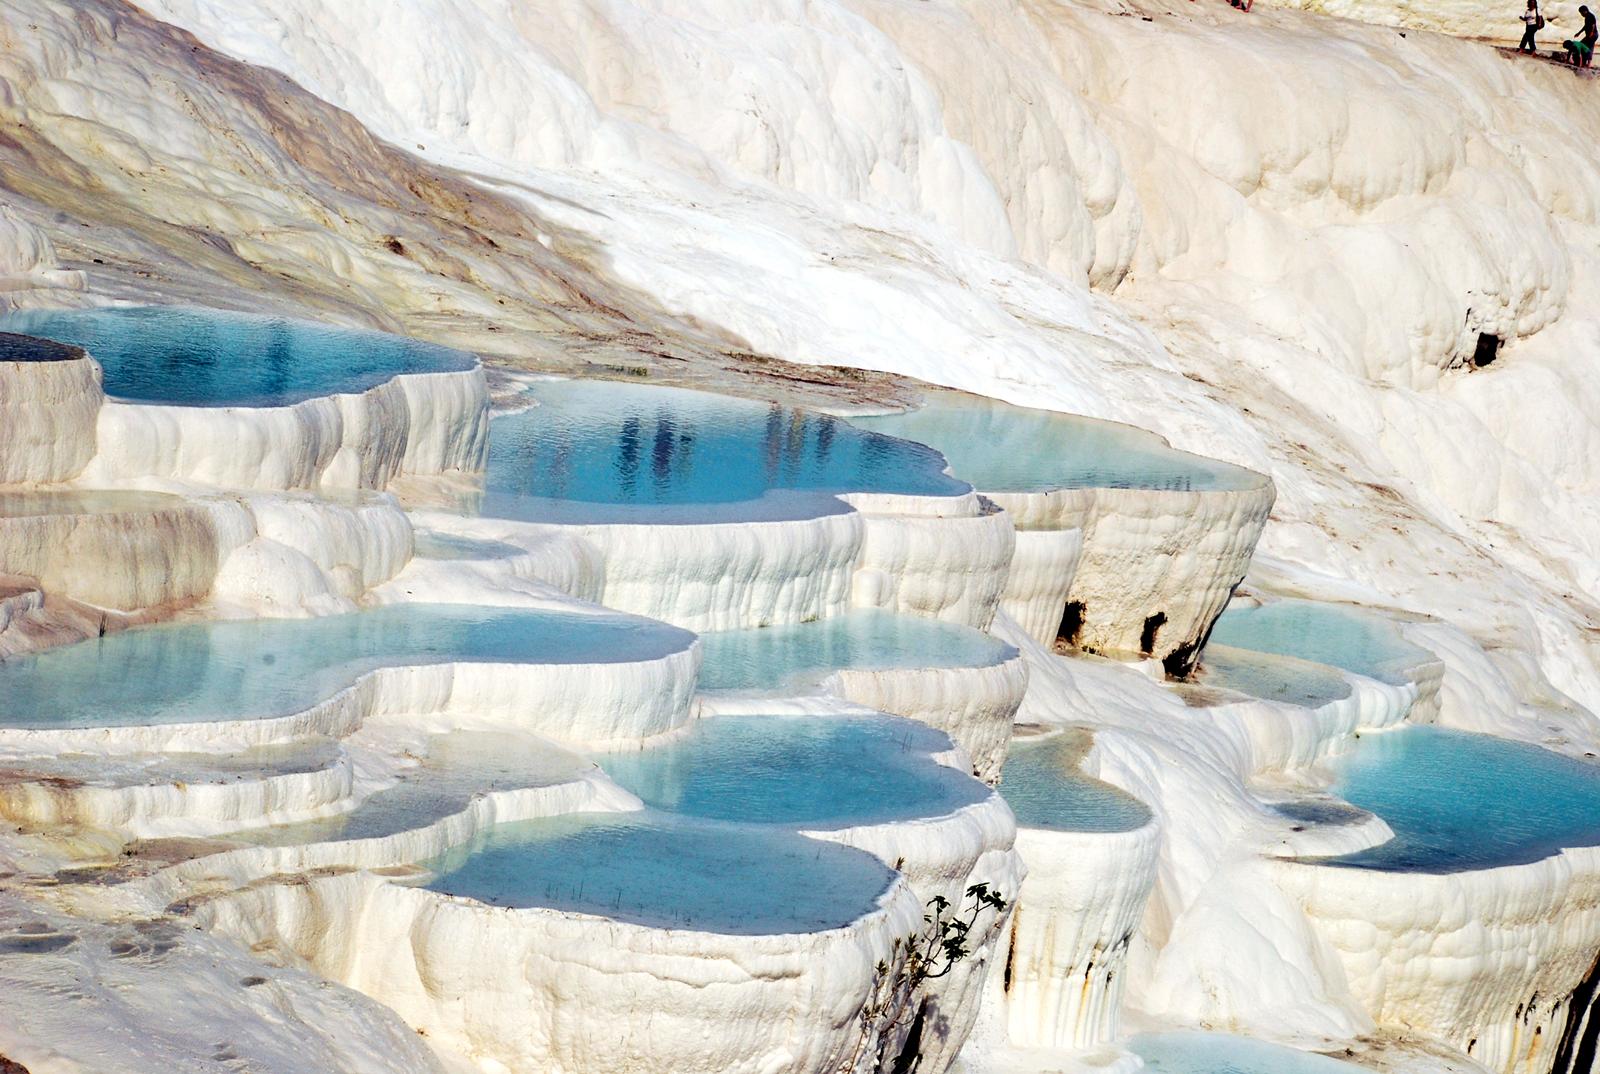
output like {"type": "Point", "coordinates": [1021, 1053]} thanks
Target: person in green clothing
{"type": "Point", "coordinates": [1580, 50]}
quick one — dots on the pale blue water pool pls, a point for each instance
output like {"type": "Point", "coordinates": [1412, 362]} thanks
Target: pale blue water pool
{"type": "Point", "coordinates": [1004, 448]}
{"type": "Point", "coordinates": [189, 356]}
{"type": "Point", "coordinates": [255, 668]}
{"type": "Point", "coordinates": [1269, 676]}
{"type": "Point", "coordinates": [1195, 1052]}
{"type": "Point", "coordinates": [432, 544]}
{"type": "Point", "coordinates": [1459, 801]}
{"type": "Point", "coordinates": [773, 657]}
{"type": "Point", "coordinates": [668, 872]}
{"type": "Point", "coordinates": [1045, 786]}
{"type": "Point", "coordinates": [801, 771]}
{"type": "Point", "coordinates": [601, 451]}
{"type": "Point", "coordinates": [1343, 637]}
{"type": "Point", "coordinates": [35, 503]}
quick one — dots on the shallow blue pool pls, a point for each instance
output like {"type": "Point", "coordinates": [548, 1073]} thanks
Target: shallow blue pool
{"type": "Point", "coordinates": [189, 356]}
{"type": "Point", "coordinates": [602, 451]}
{"type": "Point", "coordinates": [252, 668]}
{"type": "Point", "coordinates": [1270, 677]}
{"type": "Point", "coordinates": [1222, 1053]}
{"type": "Point", "coordinates": [773, 657]}
{"type": "Point", "coordinates": [805, 771]}
{"type": "Point", "coordinates": [432, 544]}
{"type": "Point", "coordinates": [1044, 784]}
{"type": "Point", "coordinates": [1359, 641]}
{"type": "Point", "coordinates": [668, 872]}
{"type": "Point", "coordinates": [1460, 801]}
{"type": "Point", "coordinates": [1004, 448]}
{"type": "Point", "coordinates": [26, 503]}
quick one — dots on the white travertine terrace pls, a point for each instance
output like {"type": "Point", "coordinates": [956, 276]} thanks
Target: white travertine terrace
{"type": "Point", "coordinates": [725, 576]}
{"type": "Point", "coordinates": [1487, 960]}
{"type": "Point", "coordinates": [1144, 553]}
{"type": "Point", "coordinates": [420, 423]}
{"type": "Point", "coordinates": [532, 989]}
{"type": "Point", "coordinates": [931, 556]}
{"type": "Point", "coordinates": [48, 408]}
{"type": "Point", "coordinates": [1062, 978]}
{"type": "Point", "coordinates": [974, 706]}
{"type": "Point", "coordinates": [1277, 237]}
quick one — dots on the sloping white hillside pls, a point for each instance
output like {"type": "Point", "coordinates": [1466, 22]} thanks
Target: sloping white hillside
{"type": "Point", "coordinates": [1276, 239]}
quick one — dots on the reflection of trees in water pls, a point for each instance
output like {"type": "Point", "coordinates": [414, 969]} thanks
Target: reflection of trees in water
{"type": "Point", "coordinates": [661, 452]}
{"type": "Point", "coordinates": [671, 454]}
{"type": "Point", "coordinates": [559, 474]}
{"type": "Point", "coordinates": [797, 445]}
{"type": "Point", "coordinates": [277, 358]}
{"type": "Point", "coordinates": [628, 455]}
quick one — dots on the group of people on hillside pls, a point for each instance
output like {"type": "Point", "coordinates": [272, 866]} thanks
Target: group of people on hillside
{"type": "Point", "coordinates": [1579, 50]}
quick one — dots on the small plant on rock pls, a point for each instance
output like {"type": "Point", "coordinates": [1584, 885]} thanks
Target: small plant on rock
{"type": "Point", "coordinates": [899, 997]}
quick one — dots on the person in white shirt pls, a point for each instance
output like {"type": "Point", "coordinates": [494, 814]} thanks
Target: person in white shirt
{"type": "Point", "coordinates": [1532, 22]}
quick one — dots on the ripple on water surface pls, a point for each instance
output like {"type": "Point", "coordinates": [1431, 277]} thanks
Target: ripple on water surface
{"type": "Point", "coordinates": [817, 772]}
{"type": "Point", "coordinates": [1004, 448]}
{"type": "Point", "coordinates": [772, 657]}
{"type": "Point", "coordinates": [602, 451]}
{"type": "Point", "coordinates": [190, 356]}
{"type": "Point", "coordinates": [1045, 786]}
{"type": "Point", "coordinates": [1222, 1053]}
{"type": "Point", "coordinates": [255, 668]}
{"type": "Point", "coordinates": [1459, 801]}
{"type": "Point", "coordinates": [668, 872]}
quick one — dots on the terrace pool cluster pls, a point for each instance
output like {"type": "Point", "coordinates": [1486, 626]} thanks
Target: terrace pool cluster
{"type": "Point", "coordinates": [637, 728]}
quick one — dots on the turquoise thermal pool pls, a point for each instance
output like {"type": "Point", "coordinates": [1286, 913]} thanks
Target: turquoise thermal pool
{"type": "Point", "coordinates": [1045, 786]}
{"type": "Point", "coordinates": [1361, 642]}
{"type": "Point", "coordinates": [1270, 677]}
{"type": "Point", "coordinates": [1195, 1052]}
{"type": "Point", "coordinates": [815, 772]}
{"type": "Point", "coordinates": [431, 544]}
{"type": "Point", "coordinates": [1004, 448]}
{"type": "Point", "coordinates": [774, 657]}
{"type": "Point", "coordinates": [1459, 801]}
{"type": "Point", "coordinates": [600, 451]}
{"type": "Point", "coordinates": [255, 668]}
{"type": "Point", "coordinates": [668, 872]}
{"type": "Point", "coordinates": [188, 356]}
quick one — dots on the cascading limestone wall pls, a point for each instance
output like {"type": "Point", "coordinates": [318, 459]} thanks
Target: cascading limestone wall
{"type": "Point", "coordinates": [50, 398]}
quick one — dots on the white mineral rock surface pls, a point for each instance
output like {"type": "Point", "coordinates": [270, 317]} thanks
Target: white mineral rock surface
{"type": "Point", "coordinates": [1324, 241]}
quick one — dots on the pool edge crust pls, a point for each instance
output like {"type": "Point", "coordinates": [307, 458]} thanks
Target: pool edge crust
{"type": "Point", "coordinates": [975, 706]}
{"type": "Point", "coordinates": [944, 856]}
{"type": "Point", "coordinates": [620, 701]}
{"type": "Point", "coordinates": [548, 990]}
{"type": "Point", "coordinates": [49, 413]}
{"type": "Point", "coordinates": [1402, 938]}
{"type": "Point", "coordinates": [1156, 567]}
{"type": "Point", "coordinates": [1060, 979]}
{"type": "Point", "coordinates": [416, 423]}
{"type": "Point", "coordinates": [422, 952]}
{"type": "Point", "coordinates": [190, 808]}
{"type": "Point", "coordinates": [275, 555]}
{"type": "Point", "coordinates": [917, 561]}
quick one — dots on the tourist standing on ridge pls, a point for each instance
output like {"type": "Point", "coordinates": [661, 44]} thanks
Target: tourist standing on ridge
{"type": "Point", "coordinates": [1532, 22]}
